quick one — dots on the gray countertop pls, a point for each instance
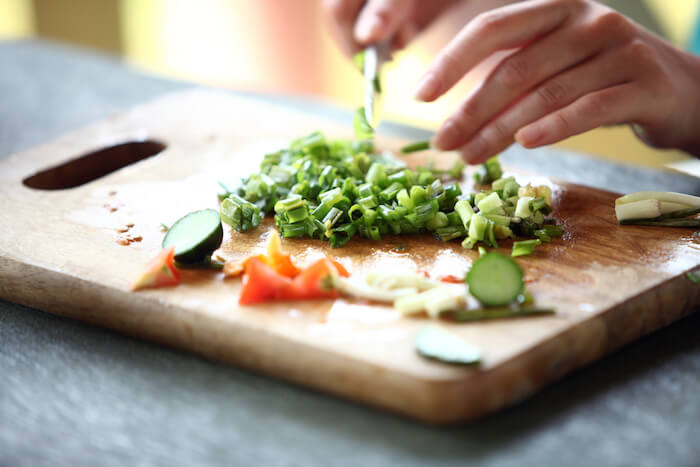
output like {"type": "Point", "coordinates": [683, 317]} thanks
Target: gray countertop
{"type": "Point", "coordinates": [73, 394]}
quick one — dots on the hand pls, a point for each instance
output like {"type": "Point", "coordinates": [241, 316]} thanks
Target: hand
{"type": "Point", "coordinates": [579, 65]}
{"type": "Point", "coordinates": [357, 23]}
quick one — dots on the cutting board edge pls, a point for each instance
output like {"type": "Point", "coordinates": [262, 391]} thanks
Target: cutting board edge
{"type": "Point", "coordinates": [441, 401]}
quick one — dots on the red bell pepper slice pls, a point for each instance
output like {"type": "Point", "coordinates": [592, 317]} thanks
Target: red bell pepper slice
{"type": "Point", "coordinates": [262, 283]}
{"type": "Point", "coordinates": [159, 272]}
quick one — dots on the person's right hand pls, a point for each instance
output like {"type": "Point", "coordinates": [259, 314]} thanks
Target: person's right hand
{"type": "Point", "coordinates": [357, 23]}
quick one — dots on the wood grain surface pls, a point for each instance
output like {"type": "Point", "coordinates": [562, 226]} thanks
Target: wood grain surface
{"type": "Point", "coordinates": [62, 251]}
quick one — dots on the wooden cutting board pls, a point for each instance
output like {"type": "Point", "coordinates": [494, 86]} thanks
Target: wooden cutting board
{"type": "Point", "coordinates": [61, 251]}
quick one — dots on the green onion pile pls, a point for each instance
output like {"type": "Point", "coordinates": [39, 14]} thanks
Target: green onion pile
{"type": "Point", "coordinates": [334, 190]}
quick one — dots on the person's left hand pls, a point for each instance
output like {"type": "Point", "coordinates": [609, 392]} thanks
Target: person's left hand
{"type": "Point", "coordinates": [580, 65]}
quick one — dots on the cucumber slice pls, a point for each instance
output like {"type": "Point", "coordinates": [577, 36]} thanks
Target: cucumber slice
{"type": "Point", "coordinates": [195, 236]}
{"type": "Point", "coordinates": [440, 344]}
{"type": "Point", "coordinates": [495, 280]}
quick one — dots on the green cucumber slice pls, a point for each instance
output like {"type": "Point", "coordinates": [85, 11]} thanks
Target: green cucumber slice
{"type": "Point", "coordinates": [195, 236]}
{"type": "Point", "coordinates": [495, 280]}
{"type": "Point", "coordinates": [440, 344]}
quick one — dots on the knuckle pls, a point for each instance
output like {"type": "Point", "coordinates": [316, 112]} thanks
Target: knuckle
{"type": "Point", "coordinates": [553, 94]}
{"type": "Point", "coordinates": [640, 53]}
{"type": "Point", "coordinates": [513, 72]}
{"type": "Point", "coordinates": [596, 104]}
{"type": "Point", "coordinates": [498, 132]}
{"type": "Point", "coordinates": [489, 22]}
{"type": "Point", "coordinates": [660, 87]}
{"type": "Point", "coordinates": [562, 124]}
{"type": "Point", "coordinates": [612, 23]}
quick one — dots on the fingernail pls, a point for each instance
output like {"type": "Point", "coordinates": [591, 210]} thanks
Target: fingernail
{"type": "Point", "coordinates": [367, 28]}
{"type": "Point", "coordinates": [530, 135]}
{"type": "Point", "coordinates": [474, 150]}
{"type": "Point", "coordinates": [447, 137]}
{"type": "Point", "coordinates": [428, 87]}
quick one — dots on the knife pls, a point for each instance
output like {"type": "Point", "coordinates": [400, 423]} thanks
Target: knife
{"type": "Point", "coordinates": [374, 56]}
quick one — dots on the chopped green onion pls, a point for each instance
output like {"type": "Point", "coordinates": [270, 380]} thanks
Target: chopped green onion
{"type": "Point", "coordinates": [477, 227]}
{"type": "Point", "coordinates": [438, 220]}
{"type": "Point", "coordinates": [671, 216]}
{"type": "Point", "coordinates": [465, 212]}
{"type": "Point", "coordinates": [693, 223]}
{"type": "Point", "coordinates": [239, 213]}
{"type": "Point", "coordinates": [363, 130]}
{"type": "Point", "coordinates": [489, 171]}
{"type": "Point", "coordinates": [376, 175]}
{"type": "Point", "coordinates": [525, 247]}
{"type": "Point", "coordinates": [543, 236]}
{"type": "Point", "coordinates": [481, 314]}
{"type": "Point", "coordinates": [450, 232]}
{"type": "Point", "coordinates": [342, 235]}
{"type": "Point", "coordinates": [335, 189]}
{"type": "Point", "coordinates": [694, 277]}
{"type": "Point", "coordinates": [415, 147]}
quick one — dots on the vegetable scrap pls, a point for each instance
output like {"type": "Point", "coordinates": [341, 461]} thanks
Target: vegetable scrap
{"type": "Point", "coordinates": [273, 276]}
{"type": "Point", "coordinates": [415, 147]}
{"type": "Point", "coordinates": [440, 344]}
{"type": "Point", "coordinates": [160, 272]}
{"type": "Point", "coordinates": [195, 236]}
{"type": "Point", "coordinates": [494, 280]}
{"type": "Point", "coordinates": [659, 209]}
{"type": "Point", "coordinates": [694, 277]}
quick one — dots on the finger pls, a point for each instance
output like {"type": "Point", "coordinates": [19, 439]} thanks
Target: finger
{"type": "Point", "coordinates": [403, 36]}
{"type": "Point", "coordinates": [379, 20]}
{"type": "Point", "coordinates": [610, 106]}
{"type": "Point", "coordinates": [601, 72]}
{"type": "Point", "coordinates": [500, 29]}
{"type": "Point", "coordinates": [522, 71]}
{"type": "Point", "coordinates": [343, 15]}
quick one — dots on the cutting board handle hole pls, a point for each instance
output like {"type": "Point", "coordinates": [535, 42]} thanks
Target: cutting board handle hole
{"type": "Point", "coordinates": [91, 166]}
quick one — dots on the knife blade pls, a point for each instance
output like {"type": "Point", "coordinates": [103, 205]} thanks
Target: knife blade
{"type": "Point", "coordinates": [374, 57]}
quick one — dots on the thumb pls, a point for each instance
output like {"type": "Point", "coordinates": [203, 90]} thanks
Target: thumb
{"type": "Point", "coordinates": [379, 20]}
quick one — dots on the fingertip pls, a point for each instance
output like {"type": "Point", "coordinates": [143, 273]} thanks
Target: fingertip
{"type": "Point", "coordinates": [473, 160]}
{"type": "Point", "coordinates": [428, 88]}
{"type": "Point", "coordinates": [448, 137]}
{"type": "Point", "coordinates": [368, 29]}
{"type": "Point", "coordinates": [530, 136]}
{"type": "Point", "coordinates": [475, 150]}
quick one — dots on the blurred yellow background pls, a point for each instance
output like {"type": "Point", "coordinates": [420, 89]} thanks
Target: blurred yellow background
{"type": "Point", "coordinates": [282, 46]}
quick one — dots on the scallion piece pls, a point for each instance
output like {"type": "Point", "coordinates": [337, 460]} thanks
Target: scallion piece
{"type": "Point", "coordinates": [489, 171]}
{"type": "Point", "coordinates": [525, 247]}
{"type": "Point", "coordinates": [415, 147]}
{"type": "Point", "coordinates": [239, 213]}
{"type": "Point", "coordinates": [481, 314]}
{"type": "Point", "coordinates": [694, 277]}
{"type": "Point", "coordinates": [363, 130]}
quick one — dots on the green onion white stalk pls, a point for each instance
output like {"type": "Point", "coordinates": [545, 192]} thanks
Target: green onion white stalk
{"type": "Point", "coordinates": [658, 208]}
{"type": "Point", "coordinates": [445, 297]}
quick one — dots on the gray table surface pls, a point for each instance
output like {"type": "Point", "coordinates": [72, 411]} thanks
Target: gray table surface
{"type": "Point", "coordinates": [73, 394]}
